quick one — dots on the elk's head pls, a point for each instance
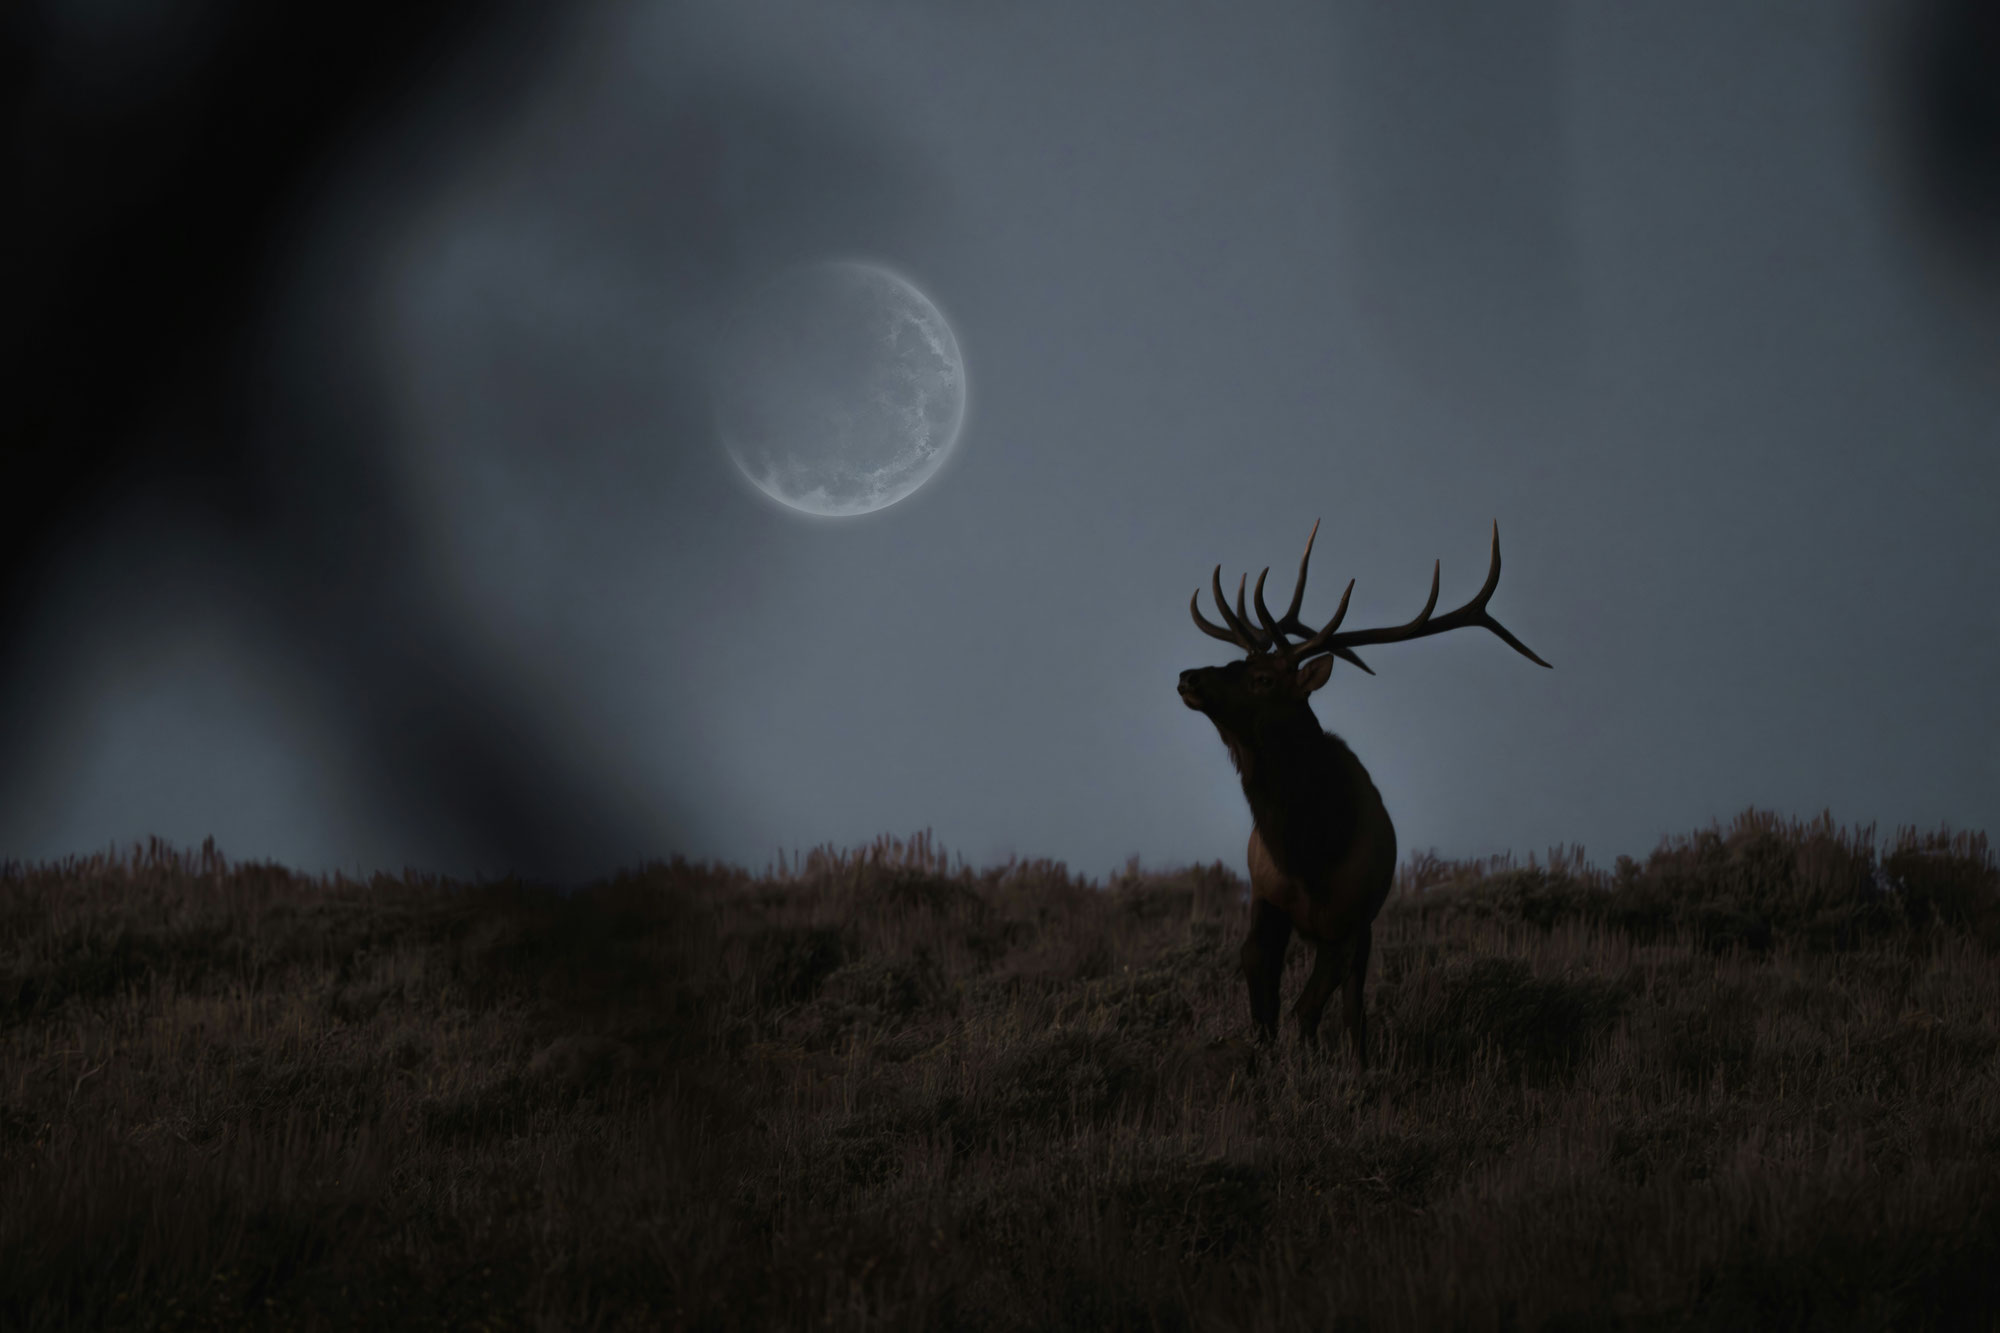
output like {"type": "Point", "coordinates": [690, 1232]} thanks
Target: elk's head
{"type": "Point", "coordinates": [1270, 683]}
{"type": "Point", "coordinates": [1238, 691]}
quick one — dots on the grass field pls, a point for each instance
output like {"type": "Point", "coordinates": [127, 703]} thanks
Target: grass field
{"type": "Point", "coordinates": [1750, 1082]}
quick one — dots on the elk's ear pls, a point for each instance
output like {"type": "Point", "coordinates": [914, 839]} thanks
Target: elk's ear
{"type": "Point", "coordinates": [1314, 674]}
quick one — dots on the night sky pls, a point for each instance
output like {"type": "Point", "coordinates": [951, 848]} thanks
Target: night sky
{"type": "Point", "coordinates": [1696, 300]}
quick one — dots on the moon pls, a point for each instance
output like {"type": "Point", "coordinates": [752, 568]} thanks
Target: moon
{"type": "Point", "coordinates": [839, 388]}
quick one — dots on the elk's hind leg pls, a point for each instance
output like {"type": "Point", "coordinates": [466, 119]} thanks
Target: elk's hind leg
{"type": "Point", "coordinates": [1264, 965]}
{"type": "Point", "coordinates": [1328, 968]}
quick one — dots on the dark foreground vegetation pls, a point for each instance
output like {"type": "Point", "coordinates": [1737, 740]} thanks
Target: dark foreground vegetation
{"type": "Point", "coordinates": [1753, 1082]}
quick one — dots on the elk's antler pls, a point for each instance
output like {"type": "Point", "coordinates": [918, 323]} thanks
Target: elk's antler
{"type": "Point", "coordinates": [1325, 640]}
{"type": "Point", "coordinates": [1473, 613]}
{"type": "Point", "coordinates": [1272, 637]}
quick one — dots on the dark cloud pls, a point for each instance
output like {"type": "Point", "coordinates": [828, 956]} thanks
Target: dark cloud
{"type": "Point", "coordinates": [199, 195]}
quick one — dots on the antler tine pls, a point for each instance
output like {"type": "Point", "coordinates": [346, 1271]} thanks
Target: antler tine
{"type": "Point", "coordinates": [1201, 623]}
{"type": "Point", "coordinates": [1486, 593]}
{"type": "Point", "coordinates": [1473, 613]}
{"type": "Point", "coordinates": [1290, 623]}
{"type": "Point", "coordinates": [1243, 617]}
{"type": "Point", "coordinates": [1348, 653]}
{"type": "Point", "coordinates": [1272, 629]}
{"type": "Point", "coordinates": [1339, 612]}
{"type": "Point", "coordinates": [1239, 633]}
{"type": "Point", "coordinates": [1430, 603]}
{"type": "Point", "coordinates": [1319, 642]}
{"type": "Point", "coordinates": [1315, 639]}
{"type": "Point", "coordinates": [1291, 617]}
{"type": "Point", "coordinates": [1492, 570]}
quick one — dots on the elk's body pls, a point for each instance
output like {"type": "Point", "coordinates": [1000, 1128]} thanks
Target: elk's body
{"type": "Point", "coordinates": [1323, 852]}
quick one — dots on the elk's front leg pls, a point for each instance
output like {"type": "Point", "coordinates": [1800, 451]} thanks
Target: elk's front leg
{"type": "Point", "coordinates": [1264, 965]}
{"type": "Point", "coordinates": [1357, 980]}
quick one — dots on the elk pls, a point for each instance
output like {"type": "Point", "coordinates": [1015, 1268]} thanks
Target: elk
{"type": "Point", "coordinates": [1322, 852]}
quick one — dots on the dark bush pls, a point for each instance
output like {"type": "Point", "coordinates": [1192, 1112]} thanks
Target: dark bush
{"type": "Point", "coordinates": [1946, 878]}
{"type": "Point", "coordinates": [1062, 1077]}
{"type": "Point", "coordinates": [896, 987]}
{"type": "Point", "coordinates": [1194, 1209]}
{"type": "Point", "coordinates": [1535, 1025]}
{"type": "Point", "coordinates": [790, 962]}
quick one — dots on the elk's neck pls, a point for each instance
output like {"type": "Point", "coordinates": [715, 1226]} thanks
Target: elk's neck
{"type": "Point", "coordinates": [1302, 784]}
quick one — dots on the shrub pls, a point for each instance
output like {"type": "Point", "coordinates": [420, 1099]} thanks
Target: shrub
{"type": "Point", "coordinates": [1535, 1025]}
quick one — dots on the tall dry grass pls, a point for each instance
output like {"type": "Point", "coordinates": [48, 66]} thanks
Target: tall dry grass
{"type": "Point", "coordinates": [1753, 1081]}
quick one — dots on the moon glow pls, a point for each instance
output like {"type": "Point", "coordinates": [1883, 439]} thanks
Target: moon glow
{"type": "Point", "coordinates": [839, 388]}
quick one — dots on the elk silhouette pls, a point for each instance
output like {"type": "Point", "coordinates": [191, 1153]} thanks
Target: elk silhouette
{"type": "Point", "coordinates": [1323, 852]}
